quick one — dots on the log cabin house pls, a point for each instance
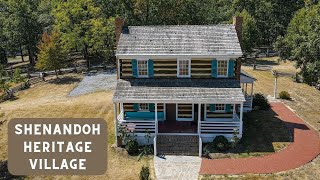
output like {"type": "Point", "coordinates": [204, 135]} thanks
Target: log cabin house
{"type": "Point", "coordinates": [181, 84]}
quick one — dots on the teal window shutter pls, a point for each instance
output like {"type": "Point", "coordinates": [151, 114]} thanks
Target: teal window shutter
{"type": "Point", "coordinates": [231, 68]}
{"type": "Point", "coordinates": [214, 67]}
{"type": "Point", "coordinates": [228, 107]}
{"type": "Point", "coordinates": [212, 107]}
{"type": "Point", "coordinates": [134, 64]}
{"type": "Point", "coordinates": [136, 107]}
{"type": "Point", "coordinates": [150, 68]}
{"type": "Point", "coordinates": [151, 107]}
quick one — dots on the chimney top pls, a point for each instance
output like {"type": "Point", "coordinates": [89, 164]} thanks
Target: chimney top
{"type": "Point", "coordinates": [237, 22]}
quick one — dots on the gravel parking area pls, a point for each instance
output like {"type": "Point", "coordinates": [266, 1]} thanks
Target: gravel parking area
{"type": "Point", "coordinates": [95, 82]}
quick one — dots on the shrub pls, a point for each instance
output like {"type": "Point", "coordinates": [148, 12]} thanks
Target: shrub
{"type": "Point", "coordinates": [132, 147]}
{"type": "Point", "coordinates": [208, 148]}
{"type": "Point", "coordinates": [144, 173]}
{"type": "Point", "coordinates": [220, 143]}
{"type": "Point", "coordinates": [260, 102]}
{"type": "Point", "coordinates": [284, 95]}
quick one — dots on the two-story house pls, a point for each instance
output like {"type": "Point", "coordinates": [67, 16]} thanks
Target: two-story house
{"type": "Point", "coordinates": [181, 82]}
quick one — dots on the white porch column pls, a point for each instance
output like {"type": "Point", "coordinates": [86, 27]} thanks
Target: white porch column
{"type": "Point", "coordinates": [199, 118]}
{"type": "Point", "coordinates": [241, 116]}
{"type": "Point", "coordinates": [115, 122]}
{"type": "Point", "coordinates": [251, 95]}
{"type": "Point", "coordinates": [156, 117]}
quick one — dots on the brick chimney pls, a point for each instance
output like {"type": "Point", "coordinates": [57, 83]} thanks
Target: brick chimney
{"type": "Point", "coordinates": [118, 23]}
{"type": "Point", "coordinates": [237, 22]}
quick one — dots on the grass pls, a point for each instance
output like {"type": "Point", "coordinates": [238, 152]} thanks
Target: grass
{"type": "Point", "coordinates": [50, 100]}
{"type": "Point", "coordinates": [305, 102]}
{"type": "Point", "coordinates": [260, 137]}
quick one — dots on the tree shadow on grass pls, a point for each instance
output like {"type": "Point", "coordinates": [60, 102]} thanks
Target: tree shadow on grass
{"type": "Point", "coordinates": [250, 62]}
{"type": "Point", "coordinates": [4, 172]}
{"type": "Point", "coordinates": [65, 80]}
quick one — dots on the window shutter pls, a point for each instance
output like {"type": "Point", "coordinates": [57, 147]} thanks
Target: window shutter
{"type": "Point", "coordinates": [231, 68]}
{"type": "Point", "coordinates": [228, 107]}
{"type": "Point", "coordinates": [150, 68]}
{"type": "Point", "coordinates": [212, 107]}
{"type": "Point", "coordinates": [151, 107]}
{"type": "Point", "coordinates": [136, 107]}
{"type": "Point", "coordinates": [214, 67]}
{"type": "Point", "coordinates": [134, 68]}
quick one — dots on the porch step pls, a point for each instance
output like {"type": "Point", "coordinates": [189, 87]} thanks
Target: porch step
{"type": "Point", "coordinates": [178, 145]}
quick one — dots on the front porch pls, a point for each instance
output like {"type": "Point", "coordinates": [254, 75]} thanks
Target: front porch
{"type": "Point", "coordinates": [201, 108]}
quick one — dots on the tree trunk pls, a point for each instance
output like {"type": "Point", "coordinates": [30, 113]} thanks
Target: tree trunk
{"type": "Point", "coordinates": [21, 52]}
{"type": "Point", "coordinates": [30, 56]}
{"type": "Point", "coordinates": [56, 73]}
{"type": "Point", "coordinates": [86, 56]}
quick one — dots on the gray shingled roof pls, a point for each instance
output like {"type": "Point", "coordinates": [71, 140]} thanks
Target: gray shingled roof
{"type": "Point", "coordinates": [178, 90]}
{"type": "Point", "coordinates": [180, 40]}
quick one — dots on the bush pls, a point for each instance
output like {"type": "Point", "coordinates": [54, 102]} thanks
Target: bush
{"type": "Point", "coordinates": [144, 173]}
{"type": "Point", "coordinates": [284, 95]}
{"type": "Point", "coordinates": [220, 143]}
{"type": "Point", "coordinates": [260, 102]}
{"type": "Point", "coordinates": [132, 147]}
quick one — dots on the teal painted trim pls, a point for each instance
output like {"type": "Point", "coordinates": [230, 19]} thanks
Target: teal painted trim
{"type": "Point", "coordinates": [214, 67]}
{"type": "Point", "coordinates": [151, 107]}
{"type": "Point", "coordinates": [150, 68]}
{"type": "Point", "coordinates": [228, 107]}
{"type": "Point", "coordinates": [143, 116]}
{"type": "Point", "coordinates": [212, 107]}
{"type": "Point", "coordinates": [136, 107]}
{"type": "Point", "coordinates": [134, 64]}
{"type": "Point", "coordinates": [231, 68]}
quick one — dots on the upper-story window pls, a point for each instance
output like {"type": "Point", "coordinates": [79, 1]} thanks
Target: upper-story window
{"type": "Point", "coordinates": [142, 68]}
{"type": "Point", "coordinates": [184, 68]}
{"type": "Point", "coordinates": [222, 68]}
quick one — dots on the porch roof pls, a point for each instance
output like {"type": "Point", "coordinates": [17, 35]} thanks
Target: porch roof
{"type": "Point", "coordinates": [178, 91]}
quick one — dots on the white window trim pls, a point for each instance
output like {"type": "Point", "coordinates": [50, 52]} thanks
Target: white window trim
{"type": "Point", "coordinates": [221, 76]}
{"type": "Point", "coordinates": [184, 119]}
{"type": "Point", "coordinates": [219, 111]}
{"type": "Point", "coordinates": [144, 76]}
{"type": "Point", "coordinates": [147, 110]}
{"type": "Point", "coordinates": [178, 69]}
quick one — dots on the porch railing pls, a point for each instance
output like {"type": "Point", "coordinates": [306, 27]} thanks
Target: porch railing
{"type": "Point", "coordinates": [220, 127]}
{"type": "Point", "coordinates": [137, 126]}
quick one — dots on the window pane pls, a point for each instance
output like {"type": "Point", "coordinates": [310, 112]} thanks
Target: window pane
{"type": "Point", "coordinates": [220, 107]}
{"type": "Point", "coordinates": [222, 68]}
{"type": "Point", "coordinates": [183, 67]}
{"type": "Point", "coordinates": [143, 68]}
{"type": "Point", "coordinates": [143, 107]}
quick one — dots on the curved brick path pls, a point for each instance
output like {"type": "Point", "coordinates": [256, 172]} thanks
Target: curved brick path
{"type": "Point", "coordinates": [304, 148]}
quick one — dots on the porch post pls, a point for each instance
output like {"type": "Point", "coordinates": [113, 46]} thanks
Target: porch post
{"type": "Point", "coordinates": [115, 122]}
{"type": "Point", "coordinates": [241, 116]}
{"type": "Point", "coordinates": [199, 118]}
{"type": "Point", "coordinates": [156, 117]}
{"type": "Point", "coordinates": [251, 95]}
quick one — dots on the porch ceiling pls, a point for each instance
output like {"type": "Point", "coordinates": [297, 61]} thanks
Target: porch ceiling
{"type": "Point", "coordinates": [178, 91]}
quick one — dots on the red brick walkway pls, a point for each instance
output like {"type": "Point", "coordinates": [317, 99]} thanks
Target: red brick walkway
{"type": "Point", "coordinates": [304, 148]}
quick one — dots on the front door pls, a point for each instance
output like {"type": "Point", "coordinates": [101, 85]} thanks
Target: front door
{"type": "Point", "coordinates": [171, 112]}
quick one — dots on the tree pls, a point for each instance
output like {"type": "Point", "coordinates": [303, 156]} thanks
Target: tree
{"type": "Point", "coordinates": [302, 41]}
{"type": "Point", "coordinates": [52, 55]}
{"type": "Point", "coordinates": [22, 26]}
{"type": "Point", "coordinates": [250, 33]}
{"type": "Point", "coordinates": [82, 27]}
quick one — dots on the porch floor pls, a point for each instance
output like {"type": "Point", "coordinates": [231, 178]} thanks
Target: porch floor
{"type": "Point", "coordinates": [177, 127]}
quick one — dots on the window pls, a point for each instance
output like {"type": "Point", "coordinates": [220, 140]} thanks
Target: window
{"type": "Point", "coordinates": [222, 68]}
{"type": "Point", "coordinates": [143, 107]}
{"type": "Point", "coordinates": [183, 68]}
{"type": "Point", "coordinates": [142, 68]}
{"type": "Point", "coordinates": [220, 107]}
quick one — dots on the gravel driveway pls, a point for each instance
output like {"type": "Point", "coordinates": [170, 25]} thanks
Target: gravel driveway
{"type": "Point", "coordinates": [95, 82]}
